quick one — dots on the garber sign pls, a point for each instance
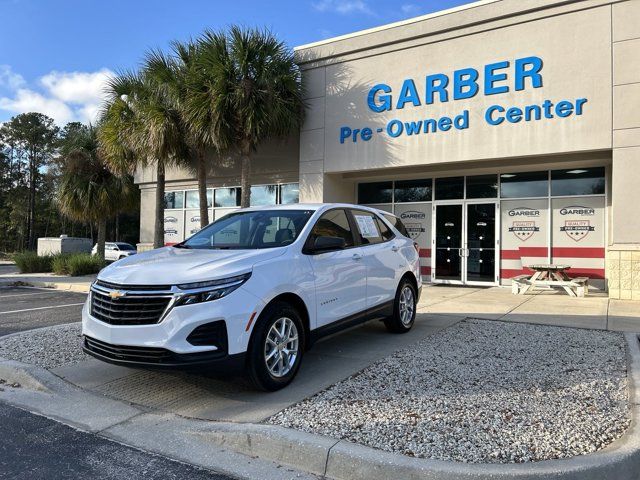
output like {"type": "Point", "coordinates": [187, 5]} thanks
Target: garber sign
{"type": "Point", "coordinates": [497, 78]}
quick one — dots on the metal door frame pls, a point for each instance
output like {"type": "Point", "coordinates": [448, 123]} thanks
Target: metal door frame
{"type": "Point", "coordinates": [464, 250]}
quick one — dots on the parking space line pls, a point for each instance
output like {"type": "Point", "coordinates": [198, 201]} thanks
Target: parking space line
{"type": "Point", "coordinates": [42, 308]}
{"type": "Point", "coordinates": [22, 294]}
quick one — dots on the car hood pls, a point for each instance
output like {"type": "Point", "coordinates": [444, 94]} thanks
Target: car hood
{"type": "Point", "coordinates": [172, 266]}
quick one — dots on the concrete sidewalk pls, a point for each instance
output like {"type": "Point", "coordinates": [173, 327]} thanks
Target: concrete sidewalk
{"type": "Point", "coordinates": [548, 308]}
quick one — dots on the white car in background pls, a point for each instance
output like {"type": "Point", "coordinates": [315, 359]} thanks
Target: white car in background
{"type": "Point", "coordinates": [255, 289]}
{"type": "Point", "coordinates": [115, 250]}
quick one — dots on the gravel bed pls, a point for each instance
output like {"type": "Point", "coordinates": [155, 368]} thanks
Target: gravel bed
{"type": "Point", "coordinates": [481, 392]}
{"type": "Point", "coordinates": [47, 347]}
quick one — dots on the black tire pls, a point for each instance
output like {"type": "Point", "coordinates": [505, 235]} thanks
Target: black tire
{"type": "Point", "coordinates": [395, 323]}
{"type": "Point", "coordinates": [259, 372]}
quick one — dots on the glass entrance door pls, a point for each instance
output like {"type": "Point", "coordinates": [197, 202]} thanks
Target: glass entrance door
{"type": "Point", "coordinates": [480, 248]}
{"type": "Point", "coordinates": [448, 244]}
{"type": "Point", "coordinates": [465, 243]}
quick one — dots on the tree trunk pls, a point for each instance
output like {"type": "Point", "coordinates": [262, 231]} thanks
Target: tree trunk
{"type": "Point", "coordinates": [202, 189]}
{"type": "Point", "coordinates": [32, 206]}
{"type": "Point", "coordinates": [117, 235]}
{"type": "Point", "coordinates": [245, 199]}
{"type": "Point", "coordinates": [102, 236]}
{"type": "Point", "coordinates": [158, 230]}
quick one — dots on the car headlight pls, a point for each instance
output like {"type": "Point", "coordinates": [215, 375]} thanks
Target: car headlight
{"type": "Point", "coordinates": [212, 290]}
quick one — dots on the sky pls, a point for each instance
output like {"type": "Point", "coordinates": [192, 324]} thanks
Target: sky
{"type": "Point", "coordinates": [55, 56]}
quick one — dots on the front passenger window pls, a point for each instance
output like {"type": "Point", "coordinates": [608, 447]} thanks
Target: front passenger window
{"type": "Point", "coordinates": [333, 223]}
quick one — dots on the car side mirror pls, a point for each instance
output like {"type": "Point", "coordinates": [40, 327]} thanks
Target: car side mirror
{"type": "Point", "coordinates": [325, 244]}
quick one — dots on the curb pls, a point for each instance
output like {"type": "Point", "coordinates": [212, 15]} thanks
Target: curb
{"type": "Point", "coordinates": [69, 287]}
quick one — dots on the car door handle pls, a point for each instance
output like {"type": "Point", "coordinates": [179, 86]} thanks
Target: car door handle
{"type": "Point", "coordinates": [357, 256]}
{"type": "Point", "coordinates": [394, 248]}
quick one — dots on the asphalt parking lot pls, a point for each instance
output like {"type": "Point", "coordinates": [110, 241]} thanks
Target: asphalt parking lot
{"type": "Point", "coordinates": [25, 308]}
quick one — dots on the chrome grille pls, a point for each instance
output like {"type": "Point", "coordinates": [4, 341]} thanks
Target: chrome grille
{"type": "Point", "coordinates": [124, 307]}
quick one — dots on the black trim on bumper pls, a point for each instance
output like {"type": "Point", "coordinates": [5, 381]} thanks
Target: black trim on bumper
{"type": "Point", "coordinates": [128, 356]}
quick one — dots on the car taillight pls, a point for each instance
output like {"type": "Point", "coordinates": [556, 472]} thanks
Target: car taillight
{"type": "Point", "coordinates": [417, 247]}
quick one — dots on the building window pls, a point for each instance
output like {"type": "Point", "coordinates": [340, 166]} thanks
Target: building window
{"type": "Point", "coordinates": [227, 197]}
{"type": "Point", "coordinates": [577, 181]}
{"type": "Point", "coordinates": [192, 198]}
{"type": "Point", "coordinates": [289, 193]}
{"type": "Point", "coordinates": [174, 199]}
{"type": "Point", "coordinates": [524, 184]}
{"type": "Point", "coordinates": [450, 188]}
{"type": "Point", "coordinates": [413, 191]}
{"type": "Point", "coordinates": [263, 195]}
{"type": "Point", "coordinates": [376, 192]}
{"type": "Point", "coordinates": [482, 186]}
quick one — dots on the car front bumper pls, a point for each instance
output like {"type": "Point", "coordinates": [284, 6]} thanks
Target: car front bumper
{"type": "Point", "coordinates": [160, 358]}
{"type": "Point", "coordinates": [167, 343]}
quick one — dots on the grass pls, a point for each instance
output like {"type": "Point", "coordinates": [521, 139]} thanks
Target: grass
{"type": "Point", "coordinates": [73, 264]}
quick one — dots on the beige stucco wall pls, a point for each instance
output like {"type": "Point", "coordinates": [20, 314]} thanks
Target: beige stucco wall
{"type": "Point", "coordinates": [577, 64]}
{"type": "Point", "coordinates": [623, 255]}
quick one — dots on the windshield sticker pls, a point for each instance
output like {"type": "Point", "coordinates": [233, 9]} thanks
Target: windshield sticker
{"type": "Point", "coordinates": [367, 226]}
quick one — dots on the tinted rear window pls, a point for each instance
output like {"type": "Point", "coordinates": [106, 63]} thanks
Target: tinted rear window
{"type": "Point", "coordinates": [397, 223]}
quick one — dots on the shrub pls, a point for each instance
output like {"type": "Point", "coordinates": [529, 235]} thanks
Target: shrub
{"type": "Point", "coordinates": [62, 264]}
{"type": "Point", "coordinates": [59, 264]}
{"type": "Point", "coordinates": [82, 264]}
{"type": "Point", "coordinates": [30, 262]}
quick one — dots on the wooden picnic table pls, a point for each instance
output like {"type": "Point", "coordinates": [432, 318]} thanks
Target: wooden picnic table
{"type": "Point", "coordinates": [549, 276]}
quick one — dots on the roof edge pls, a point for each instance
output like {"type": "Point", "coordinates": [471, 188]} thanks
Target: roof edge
{"type": "Point", "coordinates": [400, 23]}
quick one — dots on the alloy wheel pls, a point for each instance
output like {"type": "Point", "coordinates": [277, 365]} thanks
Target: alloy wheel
{"type": "Point", "coordinates": [407, 305]}
{"type": "Point", "coordinates": [281, 347]}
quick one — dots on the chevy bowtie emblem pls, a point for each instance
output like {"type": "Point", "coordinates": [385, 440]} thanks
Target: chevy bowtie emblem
{"type": "Point", "coordinates": [116, 294]}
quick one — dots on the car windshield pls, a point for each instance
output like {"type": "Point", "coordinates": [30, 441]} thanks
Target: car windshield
{"type": "Point", "coordinates": [251, 230]}
{"type": "Point", "coordinates": [125, 246]}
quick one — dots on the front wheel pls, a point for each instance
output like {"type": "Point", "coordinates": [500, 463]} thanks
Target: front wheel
{"type": "Point", "coordinates": [404, 308]}
{"type": "Point", "coordinates": [276, 347]}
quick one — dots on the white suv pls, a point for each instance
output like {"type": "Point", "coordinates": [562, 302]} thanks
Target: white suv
{"type": "Point", "coordinates": [255, 289]}
{"type": "Point", "coordinates": [115, 250]}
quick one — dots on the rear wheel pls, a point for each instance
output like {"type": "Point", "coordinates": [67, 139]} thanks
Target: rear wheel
{"type": "Point", "coordinates": [276, 347]}
{"type": "Point", "coordinates": [404, 308]}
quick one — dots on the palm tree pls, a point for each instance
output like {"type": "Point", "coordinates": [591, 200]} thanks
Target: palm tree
{"type": "Point", "coordinates": [142, 126]}
{"type": "Point", "coordinates": [181, 75]}
{"type": "Point", "coordinates": [248, 90]}
{"type": "Point", "coordinates": [88, 189]}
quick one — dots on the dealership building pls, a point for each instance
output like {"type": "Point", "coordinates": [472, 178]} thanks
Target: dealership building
{"type": "Point", "coordinates": [504, 133]}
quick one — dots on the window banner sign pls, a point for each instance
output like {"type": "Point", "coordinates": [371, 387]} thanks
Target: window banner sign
{"type": "Point", "coordinates": [417, 218]}
{"type": "Point", "coordinates": [191, 222]}
{"type": "Point", "coordinates": [173, 226]}
{"type": "Point", "coordinates": [524, 236]}
{"type": "Point", "coordinates": [578, 235]}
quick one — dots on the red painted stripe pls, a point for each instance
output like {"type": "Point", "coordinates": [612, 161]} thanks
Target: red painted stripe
{"type": "Point", "coordinates": [595, 273]}
{"type": "Point", "coordinates": [425, 270]}
{"type": "Point", "coordinates": [514, 272]}
{"type": "Point", "coordinates": [510, 254]}
{"type": "Point", "coordinates": [425, 253]}
{"type": "Point", "coordinates": [524, 252]}
{"type": "Point", "coordinates": [578, 252]}
{"type": "Point", "coordinates": [168, 244]}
